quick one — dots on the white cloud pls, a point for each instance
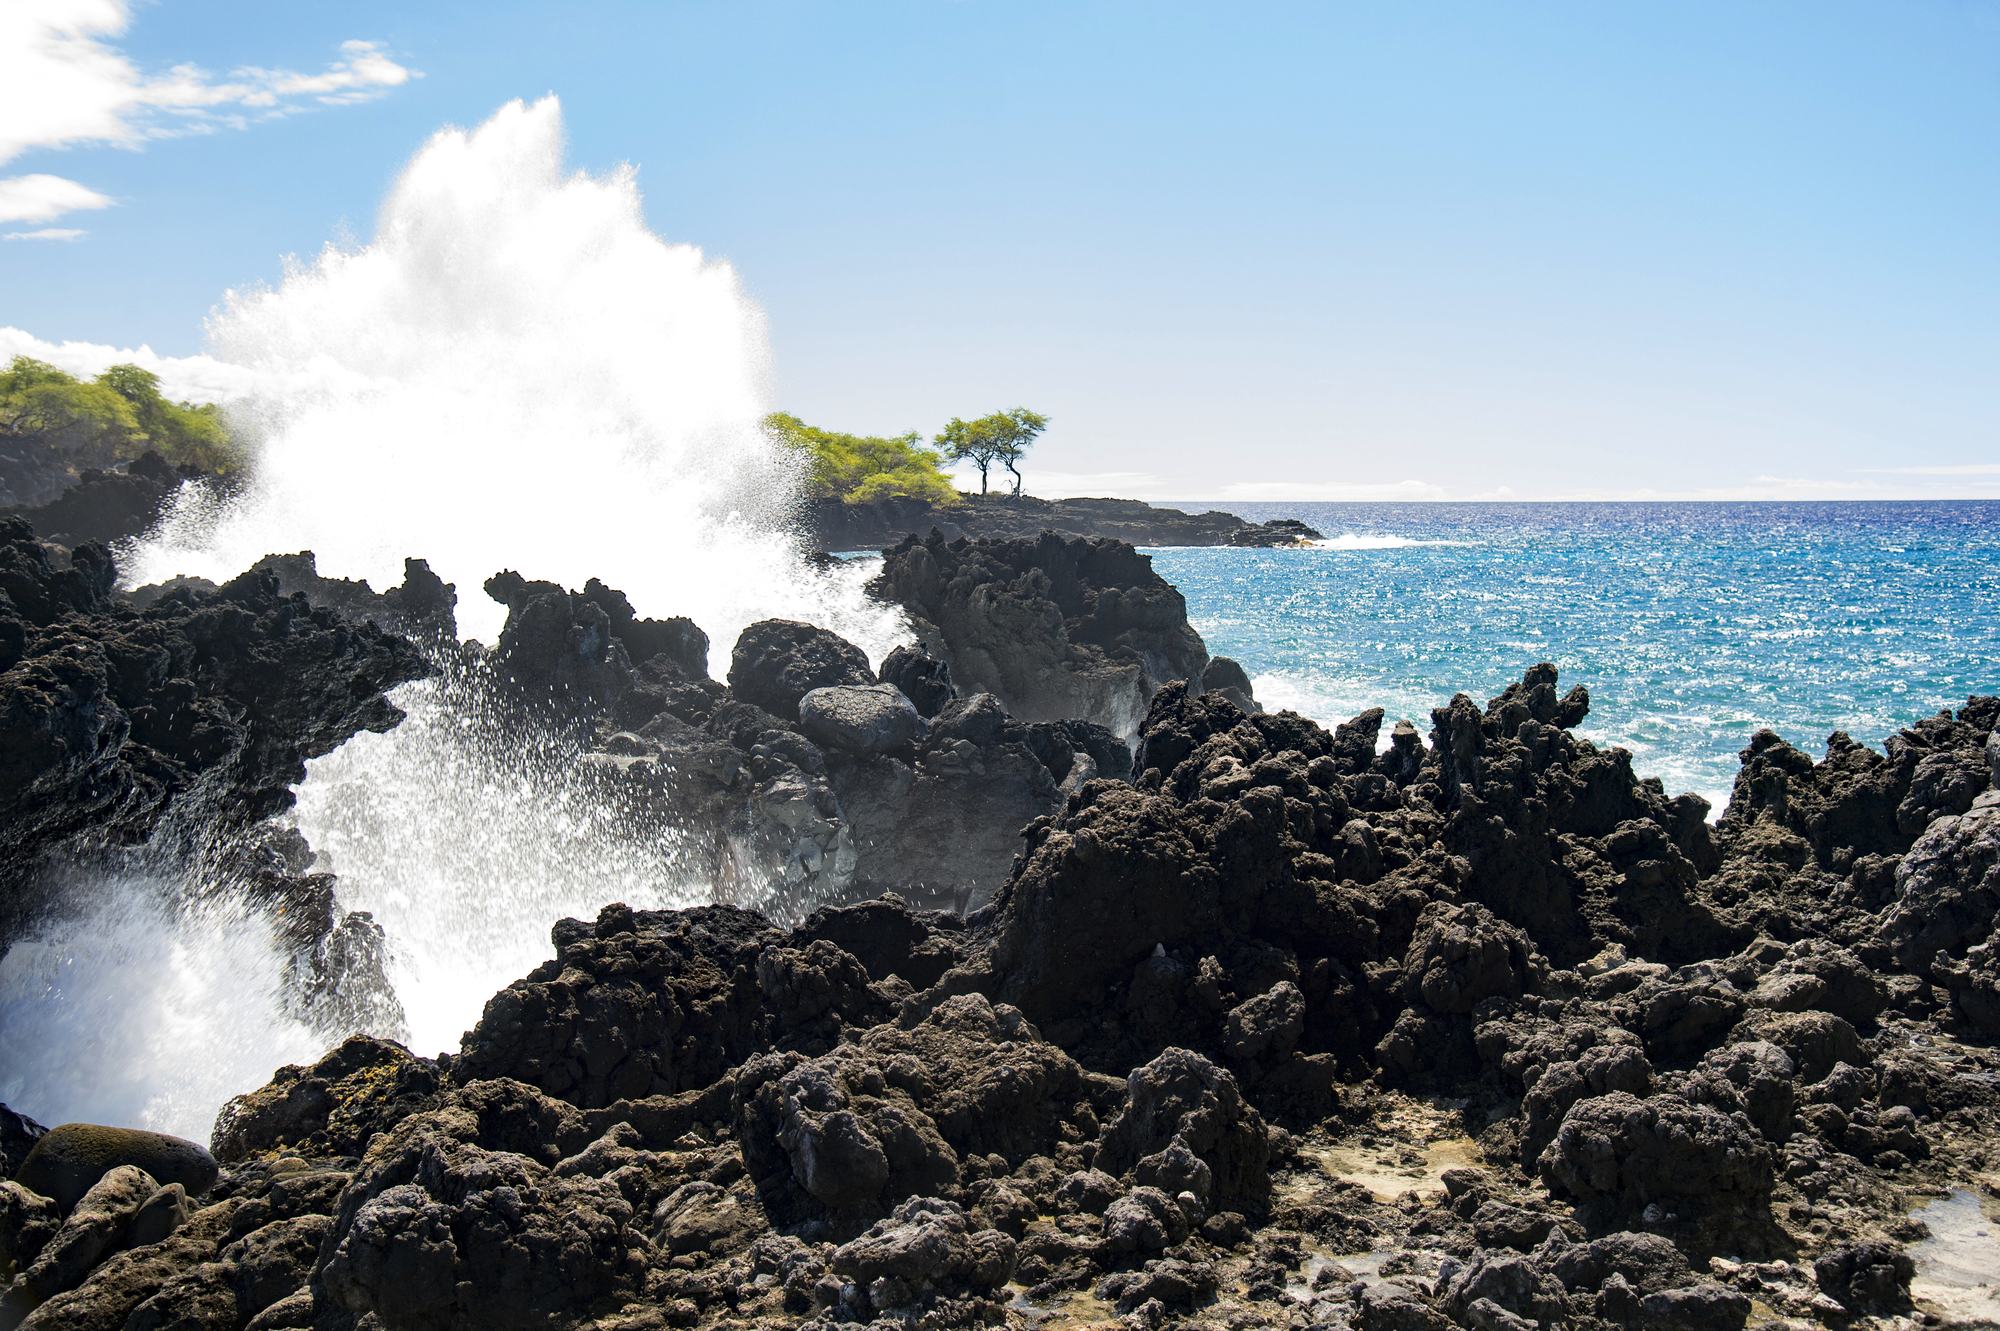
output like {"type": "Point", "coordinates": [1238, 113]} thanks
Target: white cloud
{"type": "Point", "coordinates": [1329, 492]}
{"type": "Point", "coordinates": [47, 233]}
{"type": "Point", "coordinates": [1971, 469]}
{"type": "Point", "coordinates": [43, 198]}
{"type": "Point", "coordinates": [182, 378]}
{"type": "Point", "coordinates": [62, 85]}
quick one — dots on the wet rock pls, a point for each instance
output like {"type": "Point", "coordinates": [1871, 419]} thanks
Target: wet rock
{"type": "Point", "coordinates": [1226, 677]}
{"type": "Point", "coordinates": [97, 1225]}
{"type": "Point", "coordinates": [109, 1298]}
{"type": "Point", "coordinates": [69, 1160]}
{"type": "Point", "coordinates": [109, 716]}
{"type": "Point", "coordinates": [923, 679]}
{"type": "Point", "coordinates": [18, 1134]}
{"type": "Point", "coordinates": [423, 606]}
{"type": "Point", "coordinates": [28, 1221]}
{"type": "Point", "coordinates": [777, 662]}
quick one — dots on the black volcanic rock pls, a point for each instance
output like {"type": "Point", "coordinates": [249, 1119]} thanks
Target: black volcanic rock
{"type": "Point", "coordinates": [1276, 533]}
{"type": "Point", "coordinates": [110, 715]}
{"type": "Point", "coordinates": [923, 679]}
{"type": "Point", "coordinates": [423, 606]}
{"type": "Point", "coordinates": [873, 525]}
{"type": "Point", "coordinates": [778, 661]}
{"type": "Point", "coordinates": [1490, 1007]}
{"type": "Point", "coordinates": [110, 505]}
{"type": "Point", "coordinates": [1057, 630]}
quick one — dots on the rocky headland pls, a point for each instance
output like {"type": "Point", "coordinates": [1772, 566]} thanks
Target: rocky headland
{"type": "Point", "coordinates": [835, 525]}
{"type": "Point", "coordinates": [1087, 991]}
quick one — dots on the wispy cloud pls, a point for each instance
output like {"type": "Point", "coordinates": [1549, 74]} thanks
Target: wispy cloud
{"type": "Point", "coordinates": [1971, 469]}
{"type": "Point", "coordinates": [47, 233]}
{"type": "Point", "coordinates": [43, 198]}
{"type": "Point", "coordinates": [62, 85]}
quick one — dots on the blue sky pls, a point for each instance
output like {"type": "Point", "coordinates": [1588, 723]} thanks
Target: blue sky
{"type": "Point", "coordinates": [1277, 251]}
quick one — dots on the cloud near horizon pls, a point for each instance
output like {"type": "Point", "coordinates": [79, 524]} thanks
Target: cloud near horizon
{"type": "Point", "coordinates": [62, 85]}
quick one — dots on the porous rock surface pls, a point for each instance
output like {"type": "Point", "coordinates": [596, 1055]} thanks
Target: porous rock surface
{"type": "Point", "coordinates": [804, 777]}
{"type": "Point", "coordinates": [1277, 1030]}
{"type": "Point", "coordinates": [1056, 629]}
{"type": "Point", "coordinates": [111, 715]}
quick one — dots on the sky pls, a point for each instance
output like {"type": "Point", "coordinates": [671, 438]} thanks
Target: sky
{"type": "Point", "coordinates": [1277, 252]}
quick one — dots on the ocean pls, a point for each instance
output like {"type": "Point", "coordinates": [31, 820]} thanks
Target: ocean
{"type": "Point", "coordinates": [1693, 625]}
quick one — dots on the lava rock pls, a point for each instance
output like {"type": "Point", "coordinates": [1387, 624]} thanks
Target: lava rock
{"type": "Point", "coordinates": [779, 661]}
{"type": "Point", "coordinates": [861, 718]}
{"type": "Point", "coordinates": [1630, 1152]}
{"type": "Point", "coordinates": [69, 1160]}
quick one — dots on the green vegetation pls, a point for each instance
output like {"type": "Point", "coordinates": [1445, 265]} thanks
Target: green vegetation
{"type": "Point", "coordinates": [856, 468]}
{"type": "Point", "coordinates": [113, 418]}
{"type": "Point", "coordinates": [1001, 437]}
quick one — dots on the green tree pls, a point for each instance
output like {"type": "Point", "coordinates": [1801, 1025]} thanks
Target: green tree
{"type": "Point", "coordinates": [91, 422]}
{"type": "Point", "coordinates": [183, 433]}
{"type": "Point", "coordinates": [857, 468]}
{"type": "Point", "coordinates": [1001, 437]}
{"type": "Point", "coordinates": [113, 418]}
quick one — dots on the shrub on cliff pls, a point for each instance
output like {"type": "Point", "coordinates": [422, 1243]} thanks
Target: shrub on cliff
{"type": "Point", "coordinates": [112, 418]}
{"type": "Point", "coordinates": [857, 468]}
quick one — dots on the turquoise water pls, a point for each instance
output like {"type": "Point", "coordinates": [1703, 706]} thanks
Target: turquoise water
{"type": "Point", "coordinates": [1692, 625]}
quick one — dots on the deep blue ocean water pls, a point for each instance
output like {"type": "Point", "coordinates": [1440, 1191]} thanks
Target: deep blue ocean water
{"type": "Point", "coordinates": [1692, 625]}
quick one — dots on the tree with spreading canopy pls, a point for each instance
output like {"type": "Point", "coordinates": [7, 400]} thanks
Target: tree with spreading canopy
{"type": "Point", "coordinates": [112, 418]}
{"type": "Point", "coordinates": [1001, 437]}
{"type": "Point", "coordinates": [857, 468]}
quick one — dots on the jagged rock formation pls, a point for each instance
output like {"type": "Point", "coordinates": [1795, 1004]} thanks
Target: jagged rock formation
{"type": "Point", "coordinates": [1136, 1072]}
{"type": "Point", "coordinates": [803, 778]}
{"type": "Point", "coordinates": [110, 506]}
{"type": "Point", "coordinates": [110, 716]}
{"type": "Point", "coordinates": [1492, 1009]}
{"type": "Point", "coordinates": [1055, 629]}
{"type": "Point", "coordinates": [834, 525]}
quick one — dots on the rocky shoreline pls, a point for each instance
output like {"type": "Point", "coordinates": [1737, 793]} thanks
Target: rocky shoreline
{"type": "Point", "coordinates": [1087, 992]}
{"type": "Point", "coordinates": [834, 525]}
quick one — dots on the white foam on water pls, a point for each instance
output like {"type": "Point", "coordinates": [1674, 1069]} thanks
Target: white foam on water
{"type": "Point", "coordinates": [465, 849]}
{"type": "Point", "coordinates": [1353, 542]}
{"type": "Point", "coordinates": [514, 373]}
{"type": "Point", "coordinates": [141, 1011]}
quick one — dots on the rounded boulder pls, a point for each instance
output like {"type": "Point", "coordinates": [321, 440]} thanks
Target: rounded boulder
{"type": "Point", "coordinates": [860, 718]}
{"type": "Point", "coordinates": [68, 1160]}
